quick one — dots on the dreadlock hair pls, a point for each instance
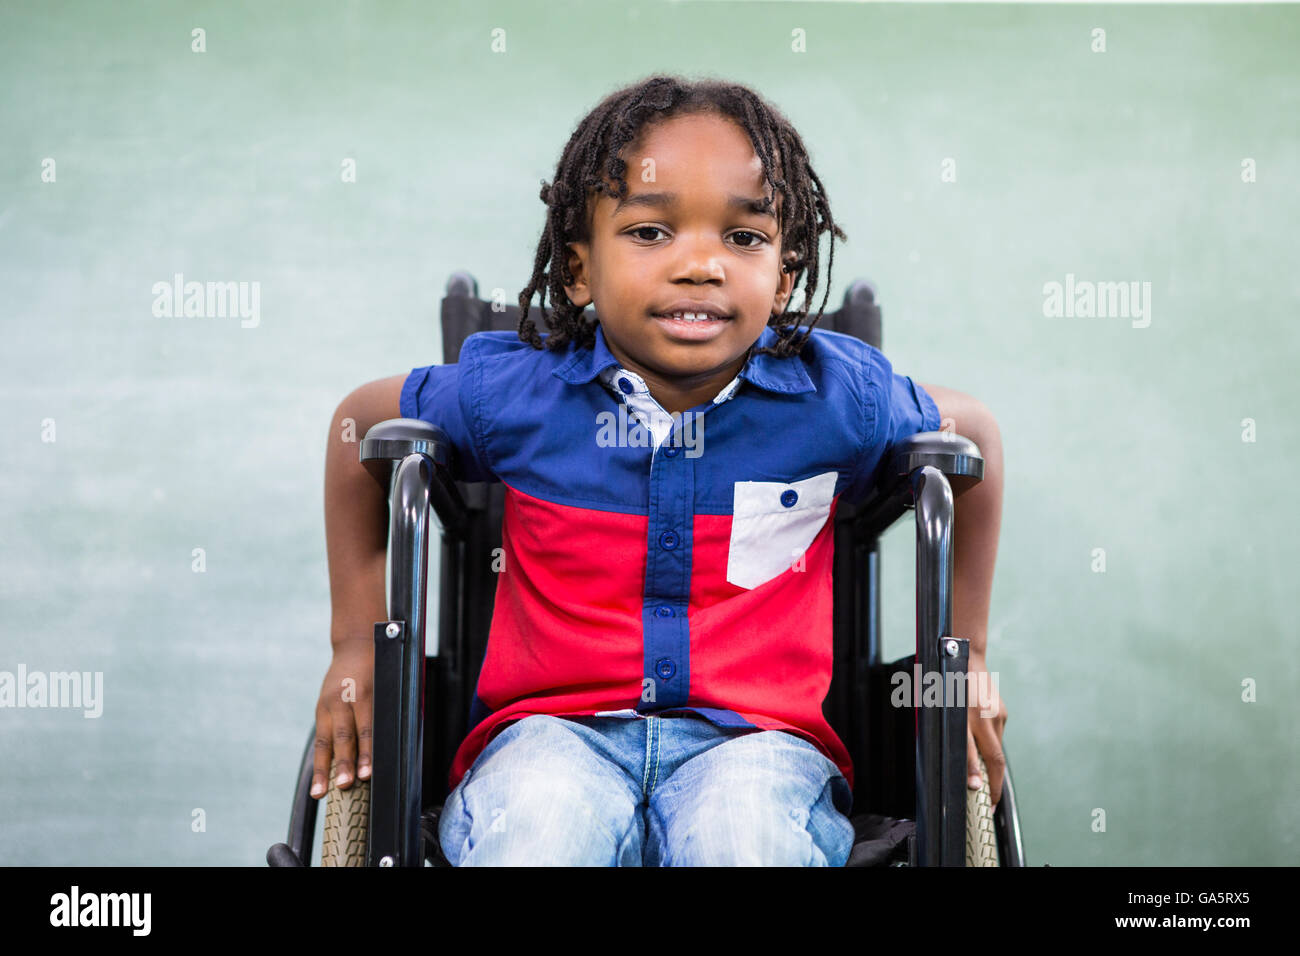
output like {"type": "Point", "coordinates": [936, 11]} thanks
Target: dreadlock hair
{"type": "Point", "coordinates": [593, 155]}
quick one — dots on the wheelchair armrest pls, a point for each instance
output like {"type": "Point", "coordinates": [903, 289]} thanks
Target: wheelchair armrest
{"type": "Point", "coordinates": [955, 455]}
{"type": "Point", "coordinates": [388, 442]}
{"type": "Point", "coordinates": [413, 461]}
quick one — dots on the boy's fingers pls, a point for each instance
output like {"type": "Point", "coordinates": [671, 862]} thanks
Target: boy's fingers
{"type": "Point", "coordinates": [320, 757]}
{"type": "Point", "coordinates": [345, 748]}
{"type": "Point", "coordinates": [995, 781]}
{"type": "Point", "coordinates": [995, 762]}
{"type": "Point", "coordinates": [364, 737]}
{"type": "Point", "coordinates": [973, 779]}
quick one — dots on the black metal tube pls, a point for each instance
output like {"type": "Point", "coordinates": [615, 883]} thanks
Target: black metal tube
{"type": "Point", "coordinates": [282, 855]}
{"type": "Point", "coordinates": [954, 661]}
{"type": "Point", "coordinates": [302, 823]}
{"type": "Point", "coordinates": [384, 841]}
{"type": "Point", "coordinates": [399, 673]}
{"type": "Point", "coordinates": [409, 536]}
{"type": "Point", "coordinates": [940, 794]}
{"type": "Point", "coordinates": [1006, 824]}
{"type": "Point", "coordinates": [872, 610]}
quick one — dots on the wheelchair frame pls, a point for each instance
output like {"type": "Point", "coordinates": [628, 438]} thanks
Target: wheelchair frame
{"type": "Point", "coordinates": [913, 766]}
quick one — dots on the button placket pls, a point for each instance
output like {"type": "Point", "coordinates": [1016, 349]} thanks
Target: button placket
{"type": "Point", "coordinates": [666, 649]}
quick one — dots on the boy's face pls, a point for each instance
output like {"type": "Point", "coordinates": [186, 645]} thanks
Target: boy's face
{"type": "Point", "coordinates": [678, 237]}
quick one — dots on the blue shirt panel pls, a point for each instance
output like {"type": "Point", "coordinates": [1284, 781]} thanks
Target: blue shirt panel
{"type": "Point", "coordinates": [531, 417]}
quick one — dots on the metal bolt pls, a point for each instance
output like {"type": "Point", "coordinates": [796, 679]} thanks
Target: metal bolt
{"type": "Point", "coordinates": [386, 861]}
{"type": "Point", "coordinates": [392, 630]}
{"type": "Point", "coordinates": [950, 647]}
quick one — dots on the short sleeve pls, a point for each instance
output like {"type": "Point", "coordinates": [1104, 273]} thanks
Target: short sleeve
{"type": "Point", "coordinates": [896, 408]}
{"type": "Point", "coordinates": [433, 394]}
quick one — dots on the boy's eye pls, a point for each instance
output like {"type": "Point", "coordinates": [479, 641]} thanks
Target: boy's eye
{"type": "Point", "coordinates": [746, 232]}
{"type": "Point", "coordinates": [755, 237]}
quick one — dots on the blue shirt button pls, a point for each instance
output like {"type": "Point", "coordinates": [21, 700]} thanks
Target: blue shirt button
{"type": "Point", "coordinates": [668, 540]}
{"type": "Point", "coordinates": [665, 668]}
{"type": "Point", "coordinates": [788, 498]}
{"type": "Point", "coordinates": [664, 610]}
{"type": "Point", "coordinates": [626, 386]}
{"type": "Point", "coordinates": [672, 451]}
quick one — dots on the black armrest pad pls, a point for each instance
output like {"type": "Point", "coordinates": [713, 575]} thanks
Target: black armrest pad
{"type": "Point", "coordinates": [955, 455]}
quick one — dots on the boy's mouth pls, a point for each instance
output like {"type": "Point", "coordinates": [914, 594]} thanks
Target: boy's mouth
{"type": "Point", "coordinates": [692, 310]}
{"type": "Point", "coordinates": [692, 320]}
{"type": "Point", "coordinates": [691, 315]}
{"type": "Point", "coordinates": [692, 326]}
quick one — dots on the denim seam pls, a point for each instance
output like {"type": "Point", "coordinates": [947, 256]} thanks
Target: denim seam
{"type": "Point", "coordinates": [645, 767]}
{"type": "Point", "coordinates": [465, 815]}
{"type": "Point", "coordinates": [659, 731]}
{"type": "Point", "coordinates": [461, 789]}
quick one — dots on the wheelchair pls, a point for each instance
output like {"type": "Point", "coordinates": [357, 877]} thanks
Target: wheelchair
{"type": "Point", "coordinates": [911, 805]}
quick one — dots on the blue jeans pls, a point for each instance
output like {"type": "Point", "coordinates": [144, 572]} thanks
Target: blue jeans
{"type": "Point", "coordinates": [654, 791]}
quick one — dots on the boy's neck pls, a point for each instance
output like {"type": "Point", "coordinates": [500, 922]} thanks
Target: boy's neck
{"type": "Point", "coordinates": [678, 398]}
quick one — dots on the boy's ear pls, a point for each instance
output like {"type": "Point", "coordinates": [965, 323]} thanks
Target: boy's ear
{"type": "Point", "coordinates": [576, 255]}
{"type": "Point", "coordinates": [785, 285]}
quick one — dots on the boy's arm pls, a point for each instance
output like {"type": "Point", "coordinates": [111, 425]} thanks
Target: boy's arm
{"type": "Point", "coordinates": [975, 548]}
{"type": "Point", "coordinates": [356, 540]}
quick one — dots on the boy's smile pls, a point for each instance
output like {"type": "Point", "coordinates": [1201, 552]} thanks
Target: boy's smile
{"type": "Point", "coordinates": [686, 240]}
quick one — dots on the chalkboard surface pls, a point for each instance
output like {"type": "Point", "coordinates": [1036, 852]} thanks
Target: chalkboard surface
{"type": "Point", "coordinates": [319, 169]}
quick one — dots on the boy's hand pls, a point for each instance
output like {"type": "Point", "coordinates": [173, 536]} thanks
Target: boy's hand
{"type": "Point", "coordinates": [343, 717]}
{"type": "Point", "coordinates": [985, 720]}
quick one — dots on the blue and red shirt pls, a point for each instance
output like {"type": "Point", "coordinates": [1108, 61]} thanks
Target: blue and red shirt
{"type": "Point", "coordinates": [656, 564]}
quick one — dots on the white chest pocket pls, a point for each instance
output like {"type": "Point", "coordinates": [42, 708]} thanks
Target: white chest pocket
{"type": "Point", "coordinates": [772, 525]}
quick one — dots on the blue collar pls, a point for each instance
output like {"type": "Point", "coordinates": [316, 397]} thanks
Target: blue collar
{"type": "Point", "coordinates": [784, 376]}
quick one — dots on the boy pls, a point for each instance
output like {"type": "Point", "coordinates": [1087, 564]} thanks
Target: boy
{"type": "Point", "coordinates": [660, 647]}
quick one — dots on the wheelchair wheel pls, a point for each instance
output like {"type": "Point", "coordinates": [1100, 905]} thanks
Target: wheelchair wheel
{"type": "Point", "coordinates": [347, 824]}
{"type": "Point", "coordinates": [981, 838]}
